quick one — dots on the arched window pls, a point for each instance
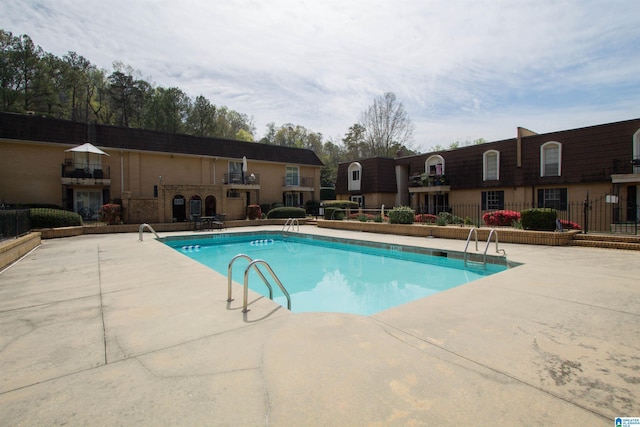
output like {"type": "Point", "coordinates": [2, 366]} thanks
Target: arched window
{"type": "Point", "coordinates": [434, 165]}
{"type": "Point", "coordinates": [355, 176]}
{"type": "Point", "coordinates": [551, 159]}
{"type": "Point", "coordinates": [210, 206]}
{"type": "Point", "coordinates": [491, 165]}
{"type": "Point", "coordinates": [195, 206]}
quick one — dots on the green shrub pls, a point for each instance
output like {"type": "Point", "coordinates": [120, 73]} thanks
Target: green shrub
{"type": "Point", "coordinates": [402, 215]}
{"type": "Point", "coordinates": [334, 213]}
{"type": "Point", "coordinates": [344, 204]}
{"type": "Point", "coordinates": [540, 219]}
{"type": "Point", "coordinates": [449, 218]}
{"type": "Point", "coordinates": [286, 212]}
{"type": "Point", "coordinates": [53, 218]}
{"type": "Point", "coordinates": [312, 207]}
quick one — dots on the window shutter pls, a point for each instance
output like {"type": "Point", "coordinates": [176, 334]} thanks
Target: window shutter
{"type": "Point", "coordinates": [563, 199]}
{"type": "Point", "coordinates": [484, 200]}
{"type": "Point", "coordinates": [501, 199]}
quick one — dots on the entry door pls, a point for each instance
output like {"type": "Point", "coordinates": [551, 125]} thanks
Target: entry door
{"type": "Point", "coordinates": [88, 203]}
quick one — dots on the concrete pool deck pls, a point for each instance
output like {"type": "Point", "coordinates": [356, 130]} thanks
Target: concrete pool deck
{"type": "Point", "coordinates": [106, 330]}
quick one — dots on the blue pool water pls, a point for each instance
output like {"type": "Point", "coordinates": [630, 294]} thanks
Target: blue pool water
{"type": "Point", "coordinates": [332, 275]}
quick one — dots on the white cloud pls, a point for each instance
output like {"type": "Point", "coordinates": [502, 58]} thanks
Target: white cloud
{"type": "Point", "coordinates": [463, 69]}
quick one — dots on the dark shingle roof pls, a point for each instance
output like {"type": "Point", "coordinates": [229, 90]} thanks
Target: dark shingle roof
{"type": "Point", "coordinates": [378, 176]}
{"type": "Point", "coordinates": [38, 128]}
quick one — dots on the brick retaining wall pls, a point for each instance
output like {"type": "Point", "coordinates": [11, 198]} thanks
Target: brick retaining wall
{"type": "Point", "coordinates": [13, 250]}
{"type": "Point", "coordinates": [505, 235]}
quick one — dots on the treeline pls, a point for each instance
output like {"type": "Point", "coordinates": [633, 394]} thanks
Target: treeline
{"type": "Point", "coordinates": [70, 87]}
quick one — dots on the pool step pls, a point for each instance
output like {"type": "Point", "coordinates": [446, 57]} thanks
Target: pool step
{"type": "Point", "coordinates": [607, 241]}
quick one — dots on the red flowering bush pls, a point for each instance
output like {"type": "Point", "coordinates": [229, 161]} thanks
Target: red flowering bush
{"type": "Point", "coordinates": [501, 218]}
{"type": "Point", "coordinates": [110, 213]}
{"type": "Point", "coordinates": [254, 212]}
{"type": "Point", "coordinates": [426, 218]}
{"type": "Point", "coordinates": [569, 225]}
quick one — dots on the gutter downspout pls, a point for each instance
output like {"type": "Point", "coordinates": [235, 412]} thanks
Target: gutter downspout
{"type": "Point", "coordinates": [121, 173]}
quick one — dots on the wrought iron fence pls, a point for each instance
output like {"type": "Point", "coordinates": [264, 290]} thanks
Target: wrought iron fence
{"type": "Point", "coordinates": [14, 222]}
{"type": "Point", "coordinates": [603, 214]}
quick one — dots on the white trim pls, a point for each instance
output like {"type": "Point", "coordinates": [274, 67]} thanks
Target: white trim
{"type": "Point", "coordinates": [434, 160]}
{"type": "Point", "coordinates": [636, 150]}
{"type": "Point", "coordinates": [354, 184]}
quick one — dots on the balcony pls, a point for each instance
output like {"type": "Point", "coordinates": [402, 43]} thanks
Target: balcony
{"type": "Point", "coordinates": [425, 183]}
{"type": "Point", "coordinates": [89, 174]}
{"type": "Point", "coordinates": [294, 183]}
{"type": "Point", "coordinates": [626, 172]}
{"type": "Point", "coordinates": [241, 180]}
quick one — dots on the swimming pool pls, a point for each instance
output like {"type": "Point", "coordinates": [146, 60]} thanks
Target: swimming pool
{"type": "Point", "coordinates": [324, 274]}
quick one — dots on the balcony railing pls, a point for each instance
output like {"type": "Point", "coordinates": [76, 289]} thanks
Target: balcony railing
{"type": "Point", "coordinates": [241, 178]}
{"type": "Point", "coordinates": [625, 166]}
{"type": "Point", "coordinates": [91, 170]}
{"type": "Point", "coordinates": [424, 180]}
{"type": "Point", "coordinates": [305, 181]}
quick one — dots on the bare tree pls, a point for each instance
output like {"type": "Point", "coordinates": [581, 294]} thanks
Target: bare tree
{"type": "Point", "coordinates": [387, 126]}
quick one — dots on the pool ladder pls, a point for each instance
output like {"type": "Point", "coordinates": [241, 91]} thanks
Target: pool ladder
{"type": "Point", "coordinates": [253, 263]}
{"type": "Point", "coordinates": [474, 232]}
{"type": "Point", "coordinates": [141, 229]}
{"type": "Point", "coordinates": [290, 224]}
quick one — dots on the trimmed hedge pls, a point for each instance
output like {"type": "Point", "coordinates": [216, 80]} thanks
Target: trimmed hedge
{"type": "Point", "coordinates": [401, 215]}
{"type": "Point", "coordinates": [334, 209]}
{"type": "Point", "coordinates": [539, 219]}
{"type": "Point", "coordinates": [52, 218]}
{"type": "Point", "coordinates": [286, 212]}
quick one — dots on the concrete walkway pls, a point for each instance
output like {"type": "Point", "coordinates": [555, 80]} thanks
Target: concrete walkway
{"type": "Point", "coordinates": [105, 330]}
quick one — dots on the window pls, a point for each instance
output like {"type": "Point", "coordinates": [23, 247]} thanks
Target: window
{"type": "Point", "coordinates": [292, 176]}
{"type": "Point", "coordinates": [555, 198]}
{"type": "Point", "coordinates": [292, 199]}
{"type": "Point", "coordinates": [434, 165]}
{"type": "Point", "coordinates": [491, 166]}
{"type": "Point", "coordinates": [550, 159]}
{"type": "Point", "coordinates": [355, 173]}
{"type": "Point", "coordinates": [492, 200]}
{"type": "Point", "coordinates": [359, 200]}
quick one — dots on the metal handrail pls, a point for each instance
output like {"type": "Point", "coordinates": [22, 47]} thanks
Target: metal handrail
{"type": "Point", "coordinates": [141, 229]}
{"type": "Point", "coordinates": [491, 233]}
{"type": "Point", "coordinates": [246, 283]}
{"type": "Point", "coordinates": [254, 264]}
{"type": "Point", "coordinates": [290, 223]}
{"type": "Point", "coordinates": [230, 275]}
{"type": "Point", "coordinates": [475, 232]}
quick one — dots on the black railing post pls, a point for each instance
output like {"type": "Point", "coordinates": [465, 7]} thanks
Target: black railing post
{"type": "Point", "coordinates": [585, 229]}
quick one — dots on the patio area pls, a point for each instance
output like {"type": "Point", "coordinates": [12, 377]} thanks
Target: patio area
{"type": "Point", "coordinates": [104, 329]}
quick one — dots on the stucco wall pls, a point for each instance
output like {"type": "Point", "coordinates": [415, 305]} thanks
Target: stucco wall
{"type": "Point", "coordinates": [30, 173]}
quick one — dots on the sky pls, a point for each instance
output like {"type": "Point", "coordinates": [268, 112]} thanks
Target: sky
{"type": "Point", "coordinates": [463, 69]}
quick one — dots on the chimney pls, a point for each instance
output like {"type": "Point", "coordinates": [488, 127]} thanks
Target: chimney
{"type": "Point", "coordinates": [521, 132]}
